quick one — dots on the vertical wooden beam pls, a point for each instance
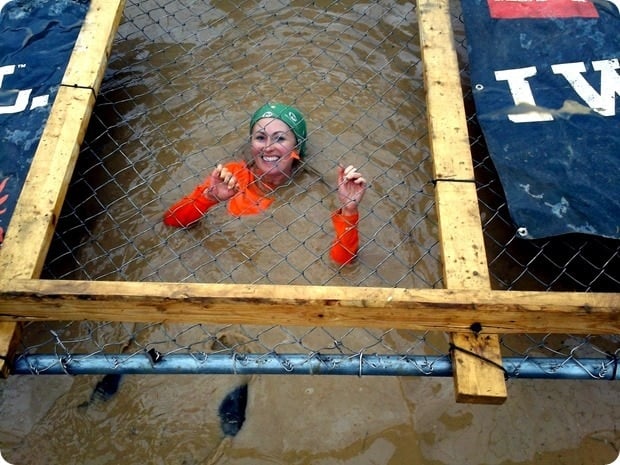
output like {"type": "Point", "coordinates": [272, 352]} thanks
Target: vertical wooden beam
{"type": "Point", "coordinates": [32, 225]}
{"type": "Point", "coordinates": [476, 358]}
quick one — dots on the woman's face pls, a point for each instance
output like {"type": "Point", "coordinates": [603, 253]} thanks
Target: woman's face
{"type": "Point", "coordinates": [272, 145]}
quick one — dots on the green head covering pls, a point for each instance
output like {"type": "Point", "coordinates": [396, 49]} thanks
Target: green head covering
{"type": "Point", "coordinates": [290, 115]}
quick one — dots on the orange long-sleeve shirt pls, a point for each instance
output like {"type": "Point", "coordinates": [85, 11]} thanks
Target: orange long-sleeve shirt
{"type": "Point", "coordinates": [250, 200]}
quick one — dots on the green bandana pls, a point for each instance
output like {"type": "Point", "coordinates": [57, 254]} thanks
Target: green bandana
{"type": "Point", "coordinates": [290, 115]}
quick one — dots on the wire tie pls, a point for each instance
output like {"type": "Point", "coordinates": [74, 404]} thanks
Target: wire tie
{"type": "Point", "coordinates": [454, 347]}
{"type": "Point", "coordinates": [614, 372]}
{"type": "Point", "coordinates": [154, 355]}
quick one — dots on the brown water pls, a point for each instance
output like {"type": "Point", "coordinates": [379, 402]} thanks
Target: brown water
{"type": "Point", "coordinates": [183, 83]}
{"type": "Point", "coordinates": [172, 110]}
{"type": "Point", "coordinates": [306, 420]}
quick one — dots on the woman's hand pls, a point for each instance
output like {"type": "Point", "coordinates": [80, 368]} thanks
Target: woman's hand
{"type": "Point", "coordinates": [222, 186]}
{"type": "Point", "coordinates": [351, 189]}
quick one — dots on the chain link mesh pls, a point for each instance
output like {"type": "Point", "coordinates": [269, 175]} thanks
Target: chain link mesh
{"type": "Point", "coordinates": [183, 80]}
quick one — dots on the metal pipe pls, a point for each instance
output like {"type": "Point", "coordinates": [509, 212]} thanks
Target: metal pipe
{"type": "Point", "coordinates": [296, 364]}
{"type": "Point", "coordinates": [304, 364]}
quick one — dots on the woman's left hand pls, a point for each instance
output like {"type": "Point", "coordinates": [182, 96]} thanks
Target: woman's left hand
{"type": "Point", "coordinates": [351, 189]}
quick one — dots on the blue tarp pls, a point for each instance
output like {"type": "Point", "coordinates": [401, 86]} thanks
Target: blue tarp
{"type": "Point", "coordinates": [37, 38]}
{"type": "Point", "coordinates": [546, 82]}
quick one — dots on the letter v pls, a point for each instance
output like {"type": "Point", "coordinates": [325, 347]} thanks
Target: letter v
{"type": "Point", "coordinates": [603, 103]}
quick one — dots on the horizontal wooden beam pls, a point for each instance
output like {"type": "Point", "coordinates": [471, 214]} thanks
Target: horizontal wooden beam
{"type": "Point", "coordinates": [486, 311]}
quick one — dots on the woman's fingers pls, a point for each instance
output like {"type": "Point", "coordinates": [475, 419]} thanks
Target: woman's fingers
{"type": "Point", "coordinates": [350, 173]}
{"type": "Point", "coordinates": [227, 177]}
{"type": "Point", "coordinates": [349, 169]}
{"type": "Point", "coordinates": [223, 184]}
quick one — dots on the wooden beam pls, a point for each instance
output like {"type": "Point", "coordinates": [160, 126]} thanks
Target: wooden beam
{"type": "Point", "coordinates": [92, 48]}
{"type": "Point", "coordinates": [32, 224]}
{"type": "Point", "coordinates": [34, 219]}
{"type": "Point", "coordinates": [477, 377]}
{"type": "Point", "coordinates": [415, 309]}
{"type": "Point", "coordinates": [447, 127]}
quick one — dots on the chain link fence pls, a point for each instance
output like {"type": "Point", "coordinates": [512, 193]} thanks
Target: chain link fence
{"type": "Point", "coordinates": [183, 80]}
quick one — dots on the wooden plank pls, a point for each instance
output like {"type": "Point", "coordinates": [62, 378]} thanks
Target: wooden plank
{"type": "Point", "coordinates": [478, 361]}
{"type": "Point", "coordinates": [460, 235]}
{"type": "Point", "coordinates": [476, 357]}
{"type": "Point", "coordinates": [39, 204]}
{"type": "Point", "coordinates": [91, 51]}
{"type": "Point", "coordinates": [415, 309]}
{"type": "Point", "coordinates": [477, 377]}
{"type": "Point", "coordinates": [34, 219]}
{"type": "Point", "coordinates": [447, 124]}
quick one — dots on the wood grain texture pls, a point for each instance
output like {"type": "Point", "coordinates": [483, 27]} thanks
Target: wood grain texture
{"type": "Point", "coordinates": [477, 378]}
{"type": "Point", "coordinates": [416, 309]}
{"type": "Point", "coordinates": [34, 219]}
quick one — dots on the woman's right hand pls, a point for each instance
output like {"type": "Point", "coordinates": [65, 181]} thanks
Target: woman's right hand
{"type": "Point", "coordinates": [223, 185]}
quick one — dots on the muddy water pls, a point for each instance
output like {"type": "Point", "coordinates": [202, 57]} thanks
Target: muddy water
{"type": "Point", "coordinates": [181, 87]}
{"type": "Point", "coordinates": [307, 420]}
{"type": "Point", "coordinates": [176, 106]}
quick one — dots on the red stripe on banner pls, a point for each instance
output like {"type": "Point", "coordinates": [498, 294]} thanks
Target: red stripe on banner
{"type": "Point", "coordinates": [513, 9]}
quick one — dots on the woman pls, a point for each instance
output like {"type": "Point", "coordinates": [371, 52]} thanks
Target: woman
{"type": "Point", "coordinates": [277, 141]}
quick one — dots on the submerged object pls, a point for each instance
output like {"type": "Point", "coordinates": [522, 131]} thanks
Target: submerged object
{"type": "Point", "coordinates": [232, 410]}
{"type": "Point", "coordinates": [104, 390]}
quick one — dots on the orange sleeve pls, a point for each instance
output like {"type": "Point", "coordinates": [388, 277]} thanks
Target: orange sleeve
{"type": "Point", "coordinates": [345, 246]}
{"type": "Point", "coordinates": [189, 209]}
{"type": "Point", "coordinates": [249, 200]}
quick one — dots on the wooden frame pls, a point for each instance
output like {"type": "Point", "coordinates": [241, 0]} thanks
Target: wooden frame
{"type": "Point", "coordinates": [32, 225]}
{"type": "Point", "coordinates": [416, 309]}
{"type": "Point", "coordinates": [460, 230]}
{"type": "Point", "coordinates": [467, 308]}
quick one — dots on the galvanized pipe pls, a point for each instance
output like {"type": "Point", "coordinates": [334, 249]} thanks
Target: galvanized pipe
{"type": "Point", "coordinates": [303, 364]}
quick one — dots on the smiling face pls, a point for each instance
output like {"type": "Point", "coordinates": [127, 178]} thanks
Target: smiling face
{"type": "Point", "coordinates": [273, 144]}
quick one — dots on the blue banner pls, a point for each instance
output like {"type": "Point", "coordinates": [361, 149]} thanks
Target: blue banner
{"type": "Point", "coordinates": [546, 82]}
{"type": "Point", "coordinates": [37, 40]}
